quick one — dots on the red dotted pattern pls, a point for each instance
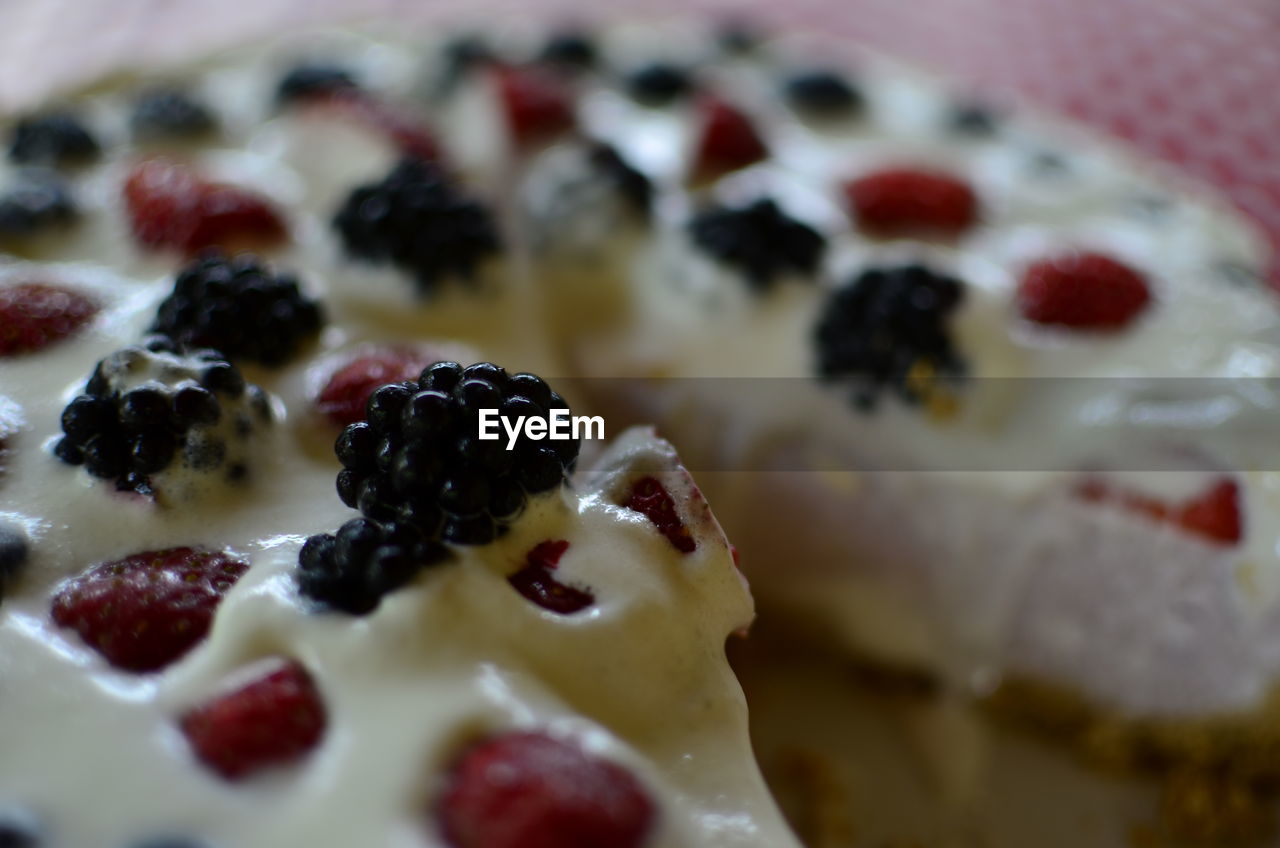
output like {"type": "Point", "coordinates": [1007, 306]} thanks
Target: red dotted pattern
{"type": "Point", "coordinates": [1193, 82]}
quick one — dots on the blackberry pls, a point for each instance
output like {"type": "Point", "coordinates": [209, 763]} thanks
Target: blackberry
{"type": "Point", "coordinates": [823, 94]}
{"type": "Point", "coordinates": [634, 186]}
{"type": "Point", "coordinates": [570, 49]}
{"type": "Point", "coordinates": [149, 411]}
{"type": "Point", "coordinates": [311, 79]}
{"type": "Point", "coordinates": [169, 113]}
{"type": "Point", "coordinates": [417, 219]}
{"type": "Point", "coordinates": [354, 568]}
{"type": "Point", "coordinates": [19, 829]}
{"type": "Point", "coordinates": [759, 240]}
{"type": "Point", "coordinates": [459, 57]}
{"type": "Point", "coordinates": [56, 138]}
{"type": "Point", "coordinates": [38, 200]}
{"type": "Point", "coordinates": [239, 307]}
{"type": "Point", "coordinates": [417, 459]}
{"type": "Point", "coordinates": [888, 327]}
{"type": "Point", "coordinates": [14, 550]}
{"type": "Point", "coordinates": [973, 119]}
{"type": "Point", "coordinates": [658, 84]}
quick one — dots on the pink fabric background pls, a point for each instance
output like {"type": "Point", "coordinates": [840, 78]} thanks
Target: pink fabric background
{"type": "Point", "coordinates": [1195, 82]}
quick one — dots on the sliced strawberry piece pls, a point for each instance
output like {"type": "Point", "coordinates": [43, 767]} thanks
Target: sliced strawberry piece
{"type": "Point", "coordinates": [344, 396]}
{"type": "Point", "coordinates": [411, 136]}
{"type": "Point", "coordinates": [145, 611]}
{"type": "Point", "coordinates": [35, 315]}
{"type": "Point", "coordinates": [650, 498]}
{"type": "Point", "coordinates": [729, 139]}
{"type": "Point", "coordinates": [1214, 515]}
{"type": "Point", "coordinates": [536, 582]}
{"type": "Point", "coordinates": [906, 202]}
{"type": "Point", "coordinates": [171, 206]}
{"type": "Point", "coordinates": [1085, 291]}
{"type": "Point", "coordinates": [271, 721]}
{"type": "Point", "coordinates": [537, 103]}
{"type": "Point", "coordinates": [528, 790]}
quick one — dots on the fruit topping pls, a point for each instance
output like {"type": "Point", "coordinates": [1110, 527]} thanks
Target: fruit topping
{"type": "Point", "coordinates": [159, 423]}
{"type": "Point", "coordinates": [310, 80]}
{"type": "Point", "coordinates": [37, 201]}
{"type": "Point", "coordinates": [652, 500]}
{"type": "Point", "coordinates": [571, 48]}
{"type": "Point", "coordinates": [169, 113]}
{"type": "Point", "coordinates": [145, 611]}
{"type": "Point", "coordinates": [536, 582]}
{"type": "Point", "coordinates": [536, 103]}
{"type": "Point", "coordinates": [56, 138]}
{"type": "Point", "coordinates": [912, 202]}
{"type": "Point", "coordinates": [354, 568]}
{"type": "Point", "coordinates": [659, 84]}
{"type": "Point", "coordinates": [171, 206]}
{"type": "Point", "coordinates": [241, 308]}
{"type": "Point", "coordinates": [973, 119]}
{"type": "Point", "coordinates": [419, 220]}
{"type": "Point", "coordinates": [271, 721]}
{"type": "Point", "coordinates": [19, 829]}
{"type": "Point", "coordinates": [729, 140]}
{"type": "Point", "coordinates": [36, 315]}
{"type": "Point", "coordinates": [345, 394]}
{"type": "Point", "coordinates": [1082, 291]}
{"type": "Point", "coordinates": [889, 329]}
{"type": "Point", "coordinates": [528, 790]}
{"type": "Point", "coordinates": [14, 550]}
{"type": "Point", "coordinates": [1214, 514]}
{"type": "Point", "coordinates": [823, 94]}
{"type": "Point", "coordinates": [417, 458]}
{"type": "Point", "coordinates": [759, 240]}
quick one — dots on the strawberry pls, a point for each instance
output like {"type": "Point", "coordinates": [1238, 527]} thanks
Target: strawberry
{"type": "Point", "coordinates": [145, 611]}
{"type": "Point", "coordinates": [36, 315]}
{"type": "Point", "coordinates": [1084, 291]}
{"type": "Point", "coordinates": [536, 582]}
{"type": "Point", "coordinates": [729, 139]}
{"type": "Point", "coordinates": [343, 398]}
{"type": "Point", "coordinates": [171, 206]}
{"type": "Point", "coordinates": [270, 721]}
{"type": "Point", "coordinates": [537, 103]}
{"type": "Point", "coordinates": [906, 202]}
{"type": "Point", "coordinates": [1214, 515]}
{"type": "Point", "coordinates": [651, 499]}
{"type": "Point", "coordinates": [528, 790]}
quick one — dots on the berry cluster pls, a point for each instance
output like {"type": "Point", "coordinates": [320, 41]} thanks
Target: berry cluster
{"type": "Point", "coordinates": [37, 201]}
{"type": "Point", "coordinates": [1083, 291]}
{"type": "Point", "coordinates": [56, 138]}
{"type": "Point", "coordinates": [416, 218]}
{"type": "Point", "coordinates": [148, 408]}
{"type": "Point", "coordinates": [36, 315]}
{"type": "Point", "coordinates": [162, 113]}
{"type": "Point", "coordinates": [759, 240]}
{"type": "Point", "coordinates": [888, 326]}
{"type": "Point", "coordinates": [354, 568]}
{"type": "Point", "coordinates": [239, 307]}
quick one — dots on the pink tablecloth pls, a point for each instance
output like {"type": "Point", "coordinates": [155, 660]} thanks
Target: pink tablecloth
{"type": "Point", "coordinates": [1196, 82]}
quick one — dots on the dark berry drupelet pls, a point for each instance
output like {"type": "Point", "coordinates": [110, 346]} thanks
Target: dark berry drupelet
{"type": "Point", "coordinates": [823, 94]}
{"type": "Point", "coordinates": [56, 138]}
{"type": "Point", "coordinates": [311, 80]}
{"type": "Point", "coordinates": [354, 568]}
{"type": "Point", "coordinates": [658, 84]}
{"type": "Point", "coordinates": [148, 409]}
{"type": "Point", "coordinates": [418, 219]}
{"type": "Point", "coordinates": [759, 240]}
{"type": "Point", "coordinates": [38, 200]}
{"type": "Point", "coordinates": [571, 48]}
{"type": "Point", "coordinates": [14, 550]}
{"type": "Point", "coordinates": [417, 459]}
{"type": "Point", "coordinates": [239, 307]}
{"type": "Point", "coordinates": [887, 325]}
{"type": "Point", "coordinates": [162, 113]}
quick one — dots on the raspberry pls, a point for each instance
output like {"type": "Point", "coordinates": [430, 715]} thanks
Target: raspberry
{"type": "Point", "coordinates": [659, 84]}
{"type": "Point", "coordinates": [353, 569]}
{"type": "Point", "coordinates": [907, 202]}
{"type": "Point", "coordinates": [35, 315]}
{"type": "Point", "coordinates": [1214, 515]}
{"type": "Point", "coordinates": [417, 458]}
{"type": "Point", "coordinates": [343, 398]}
{"type": "Point", "coordinates": [170, 206]}
{"type": "Point", "coordinates": [650, 498]}
{"type": "Point", "coordinates": [239, 307]}
{"type": "Point", "coordinates": [271, 721]}
{"type": "Point", "coordinates": [57, 138]}
{"type": "Point", "coordinates": [37, 202]}
{"type": "Point", "coordinates": [537, 104]}
{"type": "Point", "coordinates": [528, 790]}
{"type": "Point", "coordinates": [759, 240]}
{"type": "Point", "coordinates": [536, 582]}
{"type": "Point", "coordinates": [145, 611]}
{"type": "Point", "coordinates": [169, 113]}
{"type": "Point", "coordinates": [823, 94]}
{"type": "Point", "coordinates": [887, 325]}
{"type": "Point", "coordinates": [1086, 291]}
{"type": "Point", "coordinates": [729, 140]}
{"type": "Point", "coordinates": [417, 219]}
